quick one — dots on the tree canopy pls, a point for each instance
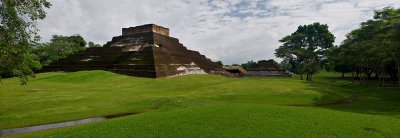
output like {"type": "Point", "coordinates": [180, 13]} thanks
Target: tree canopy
{"type": "Point", "coordinates": [248, 64]}
{"type": "Point", "coordinates": [58, 47]}
{"type": "Point", "coordinates": [374, 48]}
{"type": "Point", "coordinates": [91, 44]}
{"type": "Point", "coordinates": [17, 33]}
{"type": "Point", "coordinates": [305, 49]}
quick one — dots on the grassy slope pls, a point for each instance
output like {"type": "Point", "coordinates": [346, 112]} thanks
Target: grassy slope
{"type": "Point", "coordinates": [202, 105]}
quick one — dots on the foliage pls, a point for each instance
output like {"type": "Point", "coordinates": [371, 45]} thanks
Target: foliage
{"type": "Point", "coordinates": [248, 64]}
{"type": "Point", "coordinates": [290, 65]}
{"type": "Point", "coordinates": [306, 48]}
{"type": "Point", "coordinates": [91, 44]}
{"type": "Point", "coordinates": [17, 33]}
{"type": "Point", "coordinates": [339, 60]}
{"type": "Point", "coordinates": [59, 47]}
{"type": "Point", "coordinates": [372, 48]}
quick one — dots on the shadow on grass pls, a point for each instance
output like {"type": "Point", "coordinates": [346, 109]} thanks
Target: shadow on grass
{"type": "Point", "coordinates": [343, 95]}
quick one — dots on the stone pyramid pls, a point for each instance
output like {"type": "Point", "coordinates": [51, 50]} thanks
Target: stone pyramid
{"type": "Point", "coordinates": [144, 51]}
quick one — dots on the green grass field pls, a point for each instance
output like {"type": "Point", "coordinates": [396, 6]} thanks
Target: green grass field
{"type": "Point", "coordinates": [200, 106]}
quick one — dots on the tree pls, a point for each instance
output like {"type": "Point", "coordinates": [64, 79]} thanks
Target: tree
{"type": "Point", "coordinates": [389, 32]}
{"type": "Point", "coordinates": [306, 48]}
{"type": "Point", "coordinates": [59, 47]}
{"type": "Point", "coordinates": [91, 44]}
{"type": "Point", "coordinates": [248, 64]}
{"type": "Point", "coordinates": [17, 32]}
{"type": "Point", "coordinates": [339, 60]}
{"type": "Point", "coordinates": [372, 48]}
{"type": "Point", "coordinates": [292, 66]}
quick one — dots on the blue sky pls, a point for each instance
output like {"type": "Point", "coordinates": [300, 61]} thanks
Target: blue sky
{"type": "Point", "coordinates": [233, 31]}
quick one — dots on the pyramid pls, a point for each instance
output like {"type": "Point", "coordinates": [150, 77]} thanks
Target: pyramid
{"type": "Point", "coordinates": [143, 51]}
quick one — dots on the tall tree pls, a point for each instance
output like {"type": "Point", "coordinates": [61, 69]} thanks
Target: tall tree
{"type": "Point", "coordinates": [306, 48]}
{"type": "Point", "coordinates": [389, 32]}
{"type": "Point", "coordinates": [374, 47]}
{"type": "Point", "coordinates": [17, 32]}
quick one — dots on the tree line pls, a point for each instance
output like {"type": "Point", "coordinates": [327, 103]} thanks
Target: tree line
{"type": "Point", "coordinates": [20, 51]}
{"type": "Point", "coordinates": [42, 54]}
{"type": "Point", "coordinates": [371, 51]}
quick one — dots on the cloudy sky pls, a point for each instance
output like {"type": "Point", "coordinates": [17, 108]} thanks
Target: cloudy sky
{"type": "Point", "coordinates": [233, 31]}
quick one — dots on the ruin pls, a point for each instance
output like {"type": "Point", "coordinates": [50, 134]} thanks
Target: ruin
{"type": "Point", "coordinates": [267, 68]}
{"type": "Point", "coordinates": [143, 51]}
{"type": "Point", "coordinates": [236, 71]}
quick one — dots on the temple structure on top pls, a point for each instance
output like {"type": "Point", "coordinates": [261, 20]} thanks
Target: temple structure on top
{"type": "Point", "coordinates": [144, 51]}
{"type": "Point", "coordinates": [145, 29]}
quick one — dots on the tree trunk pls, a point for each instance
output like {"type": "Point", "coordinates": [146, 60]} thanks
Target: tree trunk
{"type": "Point", "coordinates": [363, 78]}
{"type": "Point", "coordinates": [398, 70]}
{"type": "Point", "coordinates": [380, 79]}
{"type": "Point", "coordinates": [307, 76]}
{"type": "Point", "coordinates": [381, 76]}
{"type": "Point", "coordinates": [342, 75]}
{"type": "Point", "coordinates": [369, 73]}
{"type": "Point", "coordinates": [383, 80]}
{"type": "Point", "coordinates": [398, 74]}
{"type": "Point", "coordinates": [301, 74]}
{"type": "Point", "coordinates": [358, 74]}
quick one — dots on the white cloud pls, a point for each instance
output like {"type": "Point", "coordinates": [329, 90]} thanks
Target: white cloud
{"type": "Point", "coordinates": [233, 31]}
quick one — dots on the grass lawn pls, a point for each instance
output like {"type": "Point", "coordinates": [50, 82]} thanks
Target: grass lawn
{"type": "Point", "coordinates": [200, 106]}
